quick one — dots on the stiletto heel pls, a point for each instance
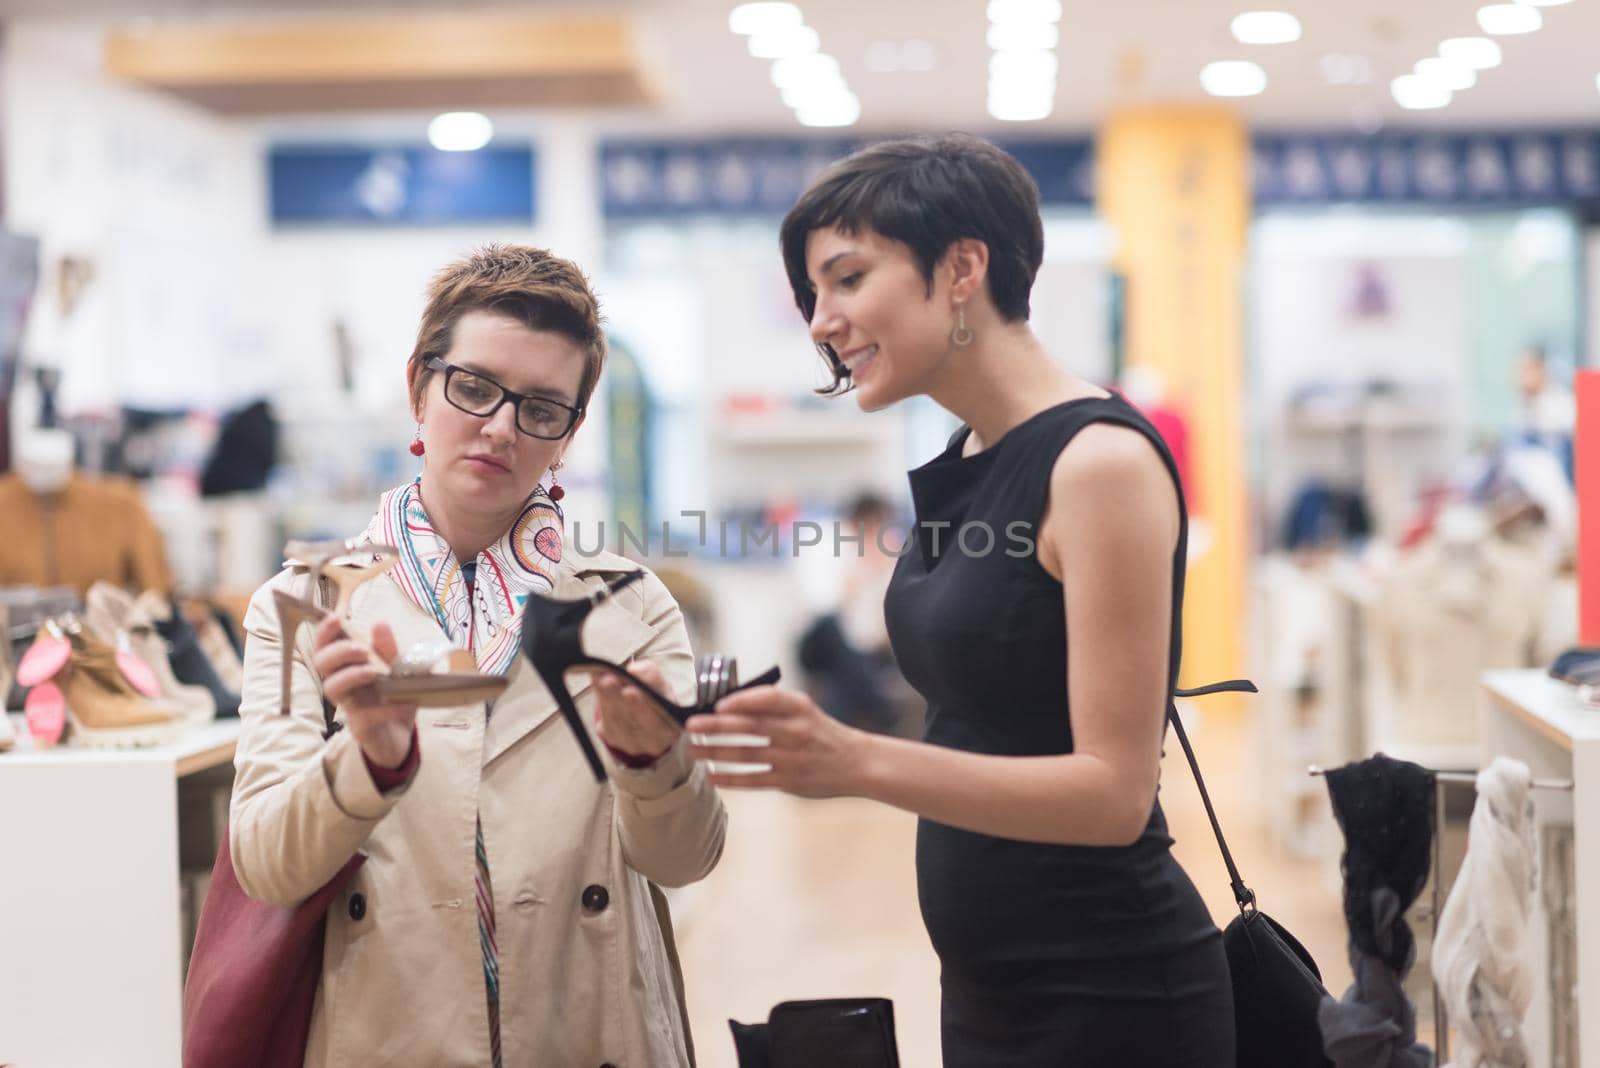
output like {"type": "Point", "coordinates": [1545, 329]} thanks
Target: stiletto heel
{"type": "Point", "coordinates": [552, 640]}
{"type": "Point", "coordinates": [292, 612]}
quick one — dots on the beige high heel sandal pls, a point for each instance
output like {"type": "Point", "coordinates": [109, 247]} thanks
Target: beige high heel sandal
{"type": "Point", "coordinates": [409, 681]}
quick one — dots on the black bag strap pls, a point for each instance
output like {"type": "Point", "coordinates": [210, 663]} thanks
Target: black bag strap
{"type": "Point", "coordinates": [1245, 896]}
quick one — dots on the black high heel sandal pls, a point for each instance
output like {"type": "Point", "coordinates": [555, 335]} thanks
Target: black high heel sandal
{"type": "Point", "coordinates": [552, 640]}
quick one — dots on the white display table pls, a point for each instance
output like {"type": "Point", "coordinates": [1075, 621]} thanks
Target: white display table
{"type": "Point", "coordinates": [91, 968]}
{"type": "Point", "coordinates": [1539, 721]}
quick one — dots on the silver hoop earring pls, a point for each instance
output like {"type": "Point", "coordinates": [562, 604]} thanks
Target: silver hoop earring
{"type": "Point", "coordinates": [962, 336]}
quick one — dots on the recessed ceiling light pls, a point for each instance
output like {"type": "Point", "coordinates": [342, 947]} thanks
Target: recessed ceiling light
{"type": "Point", "coordinates": [1265, 27]}
{"type": "Point", "coordinates": [1029, 12]}
{"type": "Point", "coordinates": [1418, 94]}
{"type": "Point", "coordinates": [763, 18]}
{"type": "Point", "coordinates": [1021, 102]}
{"type": "Point", "coordinates": [1233, 77]}
{"type": "Point", "coordinates": [460, 131]}
{"type": "Point", "coordinates": [1504, 19]}
{"type": "Point", "coordinates": [794, 41]}
{"type": "Point", "coordinates": [1031, 66]}
{"type": "Point", "coordinates": [815, 68]}
{"type": "Point", "coordinates": [1480, 53]}
{"type": "Point", "coordinates": [841, 110]}
{"type": "Point", "coordinates": [1453, 76]}
{"type": "Point", "coordinates": [1015, 36]}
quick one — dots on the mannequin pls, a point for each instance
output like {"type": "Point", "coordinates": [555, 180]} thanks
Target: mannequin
{"type": "Point", "coordinates": [66, 529]}
{"type": "Point", "coordinates": [43, 458]}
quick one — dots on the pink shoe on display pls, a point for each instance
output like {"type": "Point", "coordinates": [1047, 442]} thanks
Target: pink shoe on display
{"type": "Point", "coordinates": [46, 709]}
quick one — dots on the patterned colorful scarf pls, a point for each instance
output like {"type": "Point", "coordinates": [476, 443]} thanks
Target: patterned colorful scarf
{"type": "Point", "coordinates": [522, 562]}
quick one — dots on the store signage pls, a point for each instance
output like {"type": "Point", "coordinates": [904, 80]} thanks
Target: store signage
{"type": "Point", "coordinates": [342, 185]}
{"type": "Point", "coordinates": [765, 176]}
{"type": "Point", "coordinates": [1535, 167]}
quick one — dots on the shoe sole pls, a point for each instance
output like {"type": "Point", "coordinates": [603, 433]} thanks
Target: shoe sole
{"type": "Point", "coordinates": [143, 736]}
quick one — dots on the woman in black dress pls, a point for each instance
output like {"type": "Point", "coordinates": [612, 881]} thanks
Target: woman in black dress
{"type": "Point", "coordinates": [1051, 532]}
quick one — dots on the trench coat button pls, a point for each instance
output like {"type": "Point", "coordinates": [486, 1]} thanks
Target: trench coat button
{"type": "Point", "coordinates": [358, 907]}
{"type": "Point", "coordinates": [595, 898]}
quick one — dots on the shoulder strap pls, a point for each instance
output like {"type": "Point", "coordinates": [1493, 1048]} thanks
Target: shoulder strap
{"type": "Point", "coordinates": [1245, 896]}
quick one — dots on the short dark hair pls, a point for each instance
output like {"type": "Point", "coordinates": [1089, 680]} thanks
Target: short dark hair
{"type": "Point", "coordinates": [927, 193]}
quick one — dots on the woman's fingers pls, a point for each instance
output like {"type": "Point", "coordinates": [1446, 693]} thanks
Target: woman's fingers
{"type": "Point", "coordinates": [383, 643]}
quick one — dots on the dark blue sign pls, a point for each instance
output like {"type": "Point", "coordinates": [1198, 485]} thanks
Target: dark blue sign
{"type": "Point", "coordinates": [336, 185]}
{"type": "Point", "coordinates": [1496, 168]}
{"type": "Point", "coordinates": [765, 176]}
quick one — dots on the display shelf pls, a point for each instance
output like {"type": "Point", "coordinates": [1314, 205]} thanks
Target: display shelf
{"type": "Point", "coordinates": [94, 894]}
{"type": "Point", "coordinates": [1535, 719]}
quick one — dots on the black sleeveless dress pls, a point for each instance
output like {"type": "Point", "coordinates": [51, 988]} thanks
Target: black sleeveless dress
{"type": "Point", "coordinates": [1051, 955]}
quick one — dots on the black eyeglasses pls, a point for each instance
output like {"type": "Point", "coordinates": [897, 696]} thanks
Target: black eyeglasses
{"type": "Point", "coordinates": [475, 394]}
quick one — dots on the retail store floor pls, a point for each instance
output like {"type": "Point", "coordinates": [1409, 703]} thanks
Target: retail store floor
{"type": "Point", "coordinates": [818, 899]}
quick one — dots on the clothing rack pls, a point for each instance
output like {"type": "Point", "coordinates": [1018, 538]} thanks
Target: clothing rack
{"type": "Point", "coordinates": [1441, 1024]}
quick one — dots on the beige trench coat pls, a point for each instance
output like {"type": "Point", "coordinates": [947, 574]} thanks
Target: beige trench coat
{"type": "Point", "coordinates": [586, 975]}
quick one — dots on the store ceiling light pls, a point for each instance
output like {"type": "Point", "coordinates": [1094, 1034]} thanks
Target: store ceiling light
{"type": "Point", "coordinates": [460, 131]}
{"type": "Point", "coordinates": [1233, 77]}
{"type": "Point", "coordinates": [1479, 53]}
{"type": "Point", "coordinates": [1021, 36]}
{"type": "Point", "coordinates": [1265, 27]}
{"type": "Point", "coordinates": [794, 41]}
{"type": "Point", "coordinates": [1030, 67]}
{"type": "Point", "coordinates": [1021, 108]}
{"type": "Point", "coordinates": [1024, 12]}
{"type": "Point", "coordinates": [815, 68]}
{"type": "Point", "coordinates": [1505, 19]}
{"type": "Point", "coordinates": [1416, 93]}
{"type": "Point", "coordinates": [841, 110]}
{"type": "Point", "coordinates": [751, 19]}
{"type": "Point", "coordinates": [1453, 76]}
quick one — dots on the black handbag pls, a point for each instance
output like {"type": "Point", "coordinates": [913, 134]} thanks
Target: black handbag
{"type": "Point", "coordinates": [837, 1032]}
{"type": "Point", "coordinates": [1276, 985]}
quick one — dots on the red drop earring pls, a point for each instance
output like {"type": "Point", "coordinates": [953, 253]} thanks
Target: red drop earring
{"type": "Point", "coordinates": [556, 491]}
{"type": "Point", "coordinates": [417, 447]}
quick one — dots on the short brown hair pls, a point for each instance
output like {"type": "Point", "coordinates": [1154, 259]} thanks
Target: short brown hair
{"type": "Point", "coordinates": [538, 289]}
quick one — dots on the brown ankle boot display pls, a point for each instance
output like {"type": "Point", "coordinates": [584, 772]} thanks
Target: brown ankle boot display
{"type": "Point", "coordinates": [103, 708]}
{"type": "Point", "coordinates": [111, 613]}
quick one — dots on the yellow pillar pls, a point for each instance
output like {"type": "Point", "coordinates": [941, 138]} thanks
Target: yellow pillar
{"type": "Point", "coordinates": [1174, 185]}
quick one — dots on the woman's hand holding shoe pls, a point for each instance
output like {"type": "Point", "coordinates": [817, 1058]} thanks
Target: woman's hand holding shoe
{"type": "Point", "coordinates": [627, 720]}
{"type": "Point", "coordinates": [810, 753]}
{"type": "Point", "coordinates": [348, 676]}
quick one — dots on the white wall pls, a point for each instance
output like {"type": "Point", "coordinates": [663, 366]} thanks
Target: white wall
{"type": "Point", "coordinates": [162, 198]}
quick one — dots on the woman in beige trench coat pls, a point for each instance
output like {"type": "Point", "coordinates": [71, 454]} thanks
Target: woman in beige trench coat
{"type": "Point", "coordinates": [505, 913]}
